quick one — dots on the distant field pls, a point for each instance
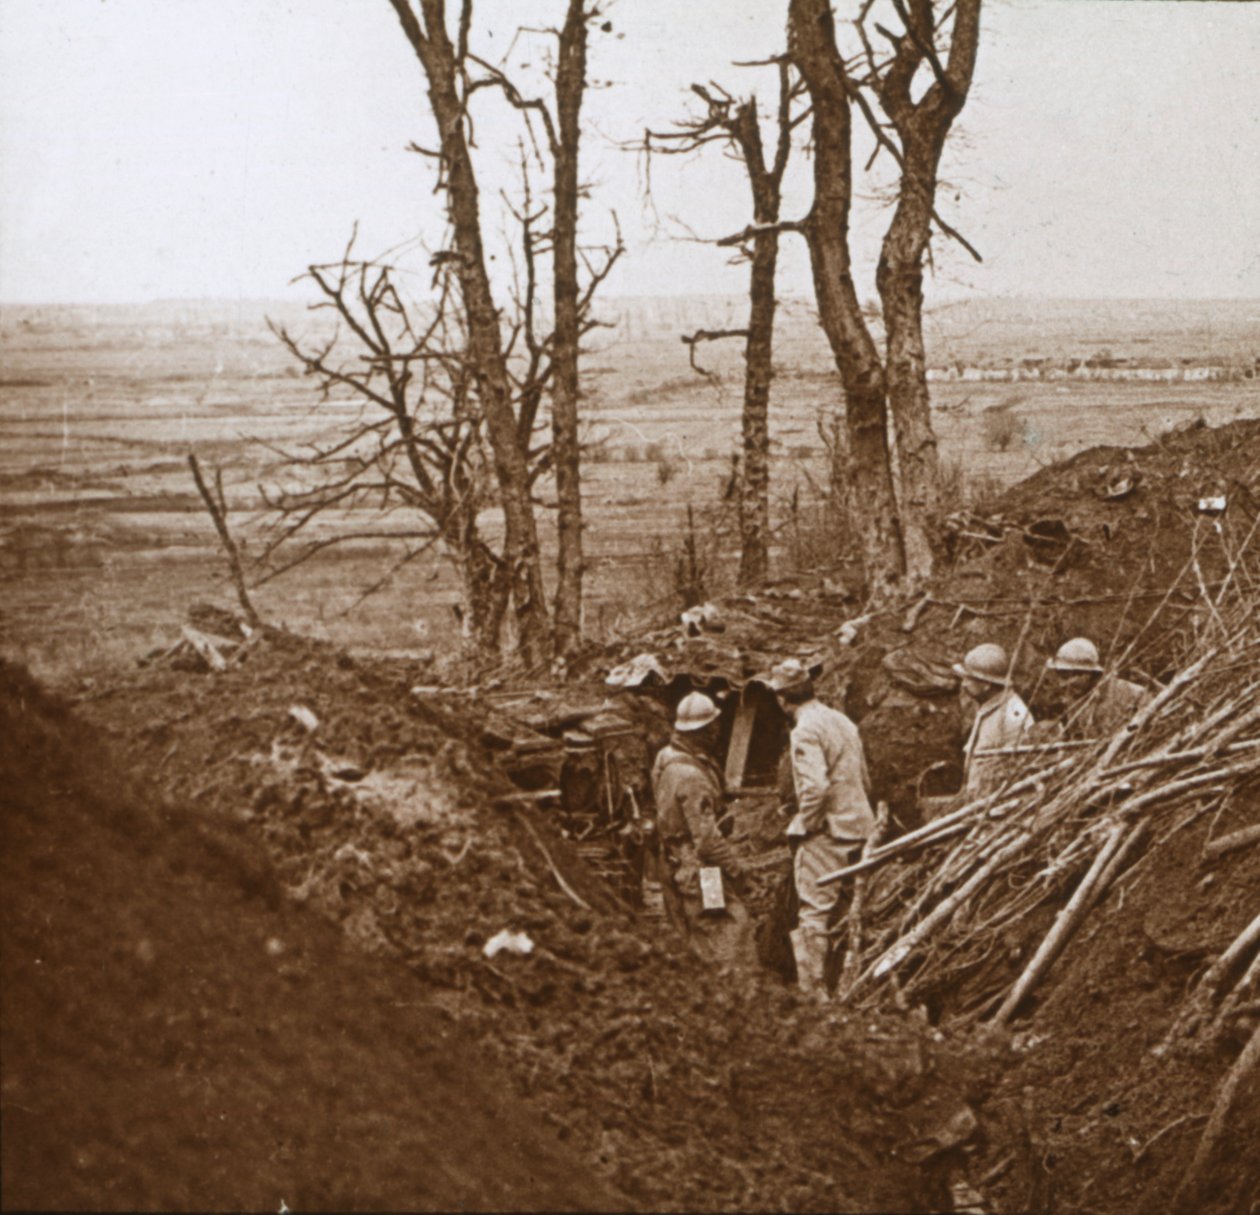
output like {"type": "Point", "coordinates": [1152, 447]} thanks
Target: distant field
{"type": "Point", "coordinates": [104, 542]}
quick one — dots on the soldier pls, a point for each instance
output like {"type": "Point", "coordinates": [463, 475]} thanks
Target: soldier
{"type": "Point", "coordinates": [687, 787]}
{"type": "Point", "coordinates": [833, 812]}
{"type": "Point", "coordinates": [1098, 704]}
{"type": "Point", "coordinates": [1002, 719]}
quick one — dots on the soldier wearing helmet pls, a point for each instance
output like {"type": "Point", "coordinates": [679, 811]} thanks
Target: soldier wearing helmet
{"type": "Point", "coordinates": [833, 812]}
{"type": "Point", "coordinates": [1002, 718]}
{"type": "Point", "coordinates": [1098, 704]}
{"type": "Point", "coordinates": [688, 789]}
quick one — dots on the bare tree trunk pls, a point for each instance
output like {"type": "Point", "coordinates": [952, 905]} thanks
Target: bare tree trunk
{"type": "Point", "coordinates": [923, 125]}
{"type": "Point", "coordinates": [485, 592]}
{"type": "Point", "coordinates": [485, 344]}
{"type": "Point", "coordinates": [812, 47]}
{"type": "Point", "coordinates": [900, 282]}
{"type": "Point", "coordinates": [767, 192]}
{"type": "Point", "coordinates": [570, 86]}
{"type": "Point", "coordinates": [754, 489]}
{"type": "Point", "coordinates": [759, 243]}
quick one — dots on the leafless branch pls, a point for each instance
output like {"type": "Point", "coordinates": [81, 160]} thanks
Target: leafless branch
{"type": "Point", "coordinates": [692, 340]}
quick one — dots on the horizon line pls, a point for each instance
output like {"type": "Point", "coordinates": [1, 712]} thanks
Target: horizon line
{"type": "Point", "coordinates": [638, 296]}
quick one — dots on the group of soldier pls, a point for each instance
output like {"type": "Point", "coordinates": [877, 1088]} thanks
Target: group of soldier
{"type": "Point", "coordinates": [827, 804]}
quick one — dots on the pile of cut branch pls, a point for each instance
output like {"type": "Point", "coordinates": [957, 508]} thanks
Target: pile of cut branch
{"type": "Point", "coordinates": [941, 907]}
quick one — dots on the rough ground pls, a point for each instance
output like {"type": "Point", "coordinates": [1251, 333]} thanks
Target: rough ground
{"type": "Point", "coordinates": [1112, 544]}
{"type": "Point", "coordinates": [1112, 1123]}
{"type": "Point", "coordinates": [683, 1092]}
{"type": "Point", "coordinates": [668, 1088]}
{"type": "Point", "coordinates": [177, 1036]}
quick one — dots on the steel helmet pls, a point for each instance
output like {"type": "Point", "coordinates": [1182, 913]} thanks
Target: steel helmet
{"type": "Point", "coordinates": [1080, 655]}
{"type": "Point", "coordinates": [789, 675]}
{"type": "Point", "coordinates": [987, 663]}
{"type": "Point", "coordinates": [695, 711]}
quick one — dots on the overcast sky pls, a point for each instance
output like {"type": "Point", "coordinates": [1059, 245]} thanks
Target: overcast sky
{"type": "Point", "coordinates": [185, 148]}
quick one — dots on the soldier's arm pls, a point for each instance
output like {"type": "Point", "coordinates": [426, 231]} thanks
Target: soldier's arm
{"type": "Point", "coordinates": [700, 809]}
{"type": "Point", "coordinates": [809, 768]}
{"type": "Point", "coordinates": [1018, 719]}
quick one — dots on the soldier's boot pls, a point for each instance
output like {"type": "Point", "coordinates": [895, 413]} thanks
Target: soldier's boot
{"type": "Point", "coordinates": [810, 951]}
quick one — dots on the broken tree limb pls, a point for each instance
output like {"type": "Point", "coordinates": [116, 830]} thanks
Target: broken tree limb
{"type": "Point", "coordinates": [1198, 1009]}
{"type": "Point", "coordinates": [1176, 788]}
{"type": "Point", "coordinates": [1232, 841]}
{"type": "Point", "coordinates": [751, 230]}
{"type": "Point", "coordinates": [1177, 757]}
{"type": "Point", "coordinates": [217, 506]}
{"type": "Point", "coordinates": [555, 872]}
{"type": "Point", "coordinates": [1038, 748]}
{"type": "Point", "coordinates": [912, 616]}
{"type": "Point", "coordinates": [1140, 1152]}
{"type": "Point", "coordinates": [940, 827]}
{"type": "Point", "coordinates": [505, 801]}
{"type": "Point", "coordinates": [1152, 707]}
{"type": "Point", "coordinates": [1186, 1197]}
{"type": "Point", "coordinates": [897, 953]}
{"type": "Point", "coordinates": [1065, 924]}
{"type": "Point", "coordinates": [853, 952]}
{"type": "Point", "coordinates": [1119, 859]}
{"type": "Point", "coordinates": [692, 340]}
{"type": "Point", "coordinates": [1236, 1000]}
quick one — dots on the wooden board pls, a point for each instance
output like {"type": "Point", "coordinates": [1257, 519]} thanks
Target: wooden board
{"type": "Point", "coordinates": [741, 737]}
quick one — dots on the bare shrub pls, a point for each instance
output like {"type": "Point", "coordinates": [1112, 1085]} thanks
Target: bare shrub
{"type": "Point", "coordinates": [705, 556]}
{"type": "Point", "coordinates": [962, 489]}
{"type": "Point", "coordinates": [817, 532]}
{"type": "Point", "coordinates": [1001, 427]}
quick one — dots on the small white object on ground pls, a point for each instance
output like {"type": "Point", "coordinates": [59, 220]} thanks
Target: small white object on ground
{"type": "Point", "coordinates": [508, 941]}
{"type": "Point", "coordinates": [304, 717]}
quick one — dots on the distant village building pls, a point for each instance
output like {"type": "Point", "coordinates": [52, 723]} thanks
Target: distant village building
{"type": "Point", "coordinates": [1100, 366]}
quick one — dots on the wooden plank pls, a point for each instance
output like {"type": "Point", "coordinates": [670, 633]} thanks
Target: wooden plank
{"type": "Point", "coordinates": [741, 738]}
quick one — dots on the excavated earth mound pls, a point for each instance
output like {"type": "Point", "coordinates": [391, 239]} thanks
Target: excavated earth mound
{"type": "Point", "coordinates": [1114, 544]}
{"type": "Point", "coordinates": [177, 1036]}
{"type": "Point", "coordinates": [1103, 1117]}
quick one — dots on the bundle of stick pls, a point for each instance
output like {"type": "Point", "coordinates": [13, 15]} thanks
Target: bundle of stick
{"type": "Point", "coordinates": [942, 905]}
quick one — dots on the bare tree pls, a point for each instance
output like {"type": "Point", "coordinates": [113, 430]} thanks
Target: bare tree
{"type": "Point", "coordinates": [445, 65]}
{"type": "Point", "coordinates": [454, 73]}
{"type": "Point", "coordinates": [735, 125]}
{"type": "Point", "coordinates": [937, 41]}
{"type": "Point", "coordinates": [417, 444]}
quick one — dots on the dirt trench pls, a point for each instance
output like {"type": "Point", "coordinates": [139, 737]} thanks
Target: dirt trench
{"type": "Point", "coordinates": [671, 1088]}
{"type": "Point", "coordinates": [653, 1083]}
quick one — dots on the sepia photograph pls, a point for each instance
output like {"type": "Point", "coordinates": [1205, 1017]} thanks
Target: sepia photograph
{"type": "Point", "coordinates": [617, 605]}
